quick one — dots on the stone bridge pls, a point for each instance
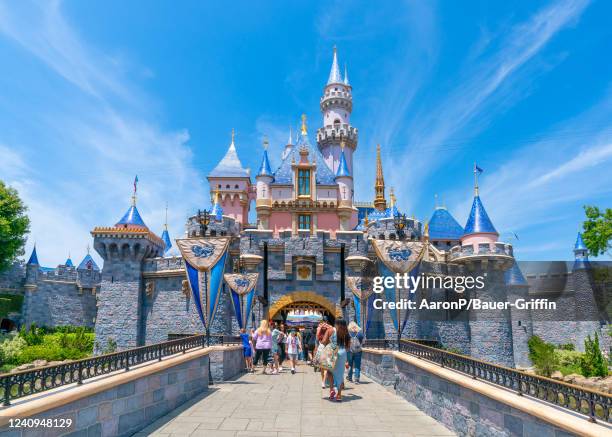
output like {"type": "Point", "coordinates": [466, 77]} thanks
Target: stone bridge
{"type": "Point", "coordinates": [402, 395]}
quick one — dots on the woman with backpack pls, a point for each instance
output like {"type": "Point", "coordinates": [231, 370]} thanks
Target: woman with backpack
{"type": "Point", "coordinates": [354, 352]}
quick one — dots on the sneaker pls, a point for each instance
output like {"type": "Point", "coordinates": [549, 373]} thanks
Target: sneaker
{"type": "Point", "coordinates": [293, 371]}
{"type": "Point", "coordinates": [332, 395]}
{"type": "Point", "coordinates": [356, 381]}
{"type": "Point", "coordinates": [323, 385]}
{"type": "Point", "coordinates": [349, 379]}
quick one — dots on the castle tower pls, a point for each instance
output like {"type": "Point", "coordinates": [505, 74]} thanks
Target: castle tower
{"type": "Point", "coordinates": [233, 182]}
{"type": "Point", "coordinates": [522, 325]}
{"type": "Point", "coordinates": [123, 247]}
{"type": "Point", "coordinates": [345, 195]}
{"type": "Point", "coordinates": [380, 203]}
{"type": "Point", "coordinates": [32, 269]}
{"type": "Point", "coordinates": [336, 107]}
{"type": "Point", "coordinates": [581, 253]}
{"type": "Point", "coordinates": [264, 178]}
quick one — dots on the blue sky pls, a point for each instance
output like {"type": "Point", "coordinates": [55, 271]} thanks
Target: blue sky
{"type": "Point", "coordinates": [93, 93]}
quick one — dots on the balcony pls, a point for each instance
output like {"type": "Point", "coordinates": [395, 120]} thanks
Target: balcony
{"type": "Point", "coordinates": [500, 252]}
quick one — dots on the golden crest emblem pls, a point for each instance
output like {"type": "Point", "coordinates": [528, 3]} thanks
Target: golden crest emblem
{"type": "Point", "coordinates": [304, 273]}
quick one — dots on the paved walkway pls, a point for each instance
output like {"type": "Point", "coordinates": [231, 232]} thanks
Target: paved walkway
{"type": "Point", "coordinates": [293, 406]}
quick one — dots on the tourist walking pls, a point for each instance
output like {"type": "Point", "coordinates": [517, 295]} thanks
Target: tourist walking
{"type": "Point", "coordinates": [263, 343]}
{"type": "Point", "coordinates": [282, 346]}
{"type": "Point", "coordinates": [294, 347]}
{"type": "Point", "coordinates": [354, 352]}
{"type": "Point", "coordinates": [247, 349]}
{"type": "Point", "coordinates": [277, 339]}
{"type": "Point", "coordinates": [341, 340]}
{"type": "Point", "coordinates": [324, 331]}
{"type": "Point", "coordinates": [308, 343]}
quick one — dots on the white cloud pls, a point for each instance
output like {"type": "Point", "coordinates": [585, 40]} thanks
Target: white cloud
{"type": "Point", "coordinates": [102, 135]}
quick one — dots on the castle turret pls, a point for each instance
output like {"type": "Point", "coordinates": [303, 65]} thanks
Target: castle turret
{"type": "Point", "coordinates": [479, 229]}
{"type": "Point", "coordinates": [581, 253]}
{"type": "Point", "coordinates": [216, 212]}
{"type": "Point", "coordinates": [32, 270]}
{"type": "Point", "coordinates": [233, 182]}
{"type": "Point", "coordinates": [123, 247]}
{"type": "Point", "coordinates": [345, 194]}
{"type": "Point", "coordinates": [264, 178]}
{"type": "Point", "coordinates": [336, 107]}
{"type": "Point", "coordinates": [522, 325]}
{"type": "Point", "coordinates": [165, 236]}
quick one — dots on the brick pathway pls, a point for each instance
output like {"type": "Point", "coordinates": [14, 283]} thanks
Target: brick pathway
{"type": "Point", "coordinates": [292, 406]}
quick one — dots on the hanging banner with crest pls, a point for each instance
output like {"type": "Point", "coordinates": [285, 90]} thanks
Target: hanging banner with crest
{"type": "Point", "coordinates": [363, 300]}
{"type": "Point", "coordinates": [205, 262]}
{"type": "Point", "coordinates": [398, 257]}
{"type": "Point", "coordinates": [242, 289]}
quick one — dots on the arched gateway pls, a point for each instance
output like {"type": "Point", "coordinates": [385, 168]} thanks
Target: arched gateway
{"type": "Point", "coordinates": [303, 303]}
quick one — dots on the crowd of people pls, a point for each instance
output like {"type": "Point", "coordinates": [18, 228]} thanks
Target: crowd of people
{"type": "Point", "coordinates": [330, 350]}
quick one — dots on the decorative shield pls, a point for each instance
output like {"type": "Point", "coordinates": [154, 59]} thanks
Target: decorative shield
{"type": "Point", "coordinates": [205, 262]}
{"type": "Point", "coordinates": [363, 300]}
{"type": "Point", "coordinates": [242, 289]}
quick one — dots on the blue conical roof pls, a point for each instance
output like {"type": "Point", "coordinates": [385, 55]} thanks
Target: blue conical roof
{"type": "Point", "coordinates": [132, 218]}
{"type": "Point", "coordinates": [580, 243]}
{"type": "Point", "coordinates": [284, 174]}
{"type": "Point", "coordinates": [343, 170]}
{"type": "Point", "coordinates": [88, 263]}
{"type": "Point", "coordinates": [264, 168]}
{"type": "Point", "coordinates": [166, 239]}
{"type": "Point", "coordinates": [69, 263]}
{"type": "Point", "coordinates": [443, 226]}
{"type": "Point", "coordinates": [33, 257]}
{"type": "Point", "coordinates": [514, 276]}
{"type": "Point", "coordinates": [478, 221]}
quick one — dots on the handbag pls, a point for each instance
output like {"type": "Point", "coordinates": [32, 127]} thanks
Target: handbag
{"type": "Point", "coordinates": [329, 356]}
{"type": "Point", "coordinates": [317, 357]}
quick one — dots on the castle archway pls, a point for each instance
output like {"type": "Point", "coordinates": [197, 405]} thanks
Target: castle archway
{"type": "Point", "coordinates": [303, 301]}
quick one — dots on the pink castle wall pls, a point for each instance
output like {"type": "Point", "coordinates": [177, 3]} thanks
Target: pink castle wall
{"type": "Point", "coordinates": [328, 221]}
{"type": "Point", "coordinates": [280, 221]}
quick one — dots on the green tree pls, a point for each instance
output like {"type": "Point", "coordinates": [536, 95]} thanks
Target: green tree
{"type": "Point", "coordinates": [593, 362]}
{"type": "Point", "coordinates": [14, 225]}
{"type": "Point", "coordinates": [597, 233]}
{"type": "Point", "coordinates": [543, 356]}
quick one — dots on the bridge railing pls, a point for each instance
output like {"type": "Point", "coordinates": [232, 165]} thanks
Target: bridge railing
{"type": "Point", "coordinates": [28, 382]}
{"type": "Point", "coordinates": [592, 403]}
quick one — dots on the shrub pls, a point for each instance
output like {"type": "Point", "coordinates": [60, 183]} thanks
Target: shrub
{"type": "Point", "coordinates": [566, 347]}
{"type": "Point", "coordinates": [11, 346]}
{"type": "Point", "coordinates": [32, 336]}
{"type": "Point", "coordinates": [543, 356]}
{"type": "Point", "coordinates": [593, 362]}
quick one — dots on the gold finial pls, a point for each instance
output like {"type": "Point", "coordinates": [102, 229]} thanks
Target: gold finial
{"type": "Point", "coordinates": [265, 142]}
{"type": "Point", "coordinates": [304, 130]}
{"type": "Point", "coordinates": [426, 230]}
{"type": "Point", "coordinates": [233, 135]}
{"type": "Point", "coordinates": [365, 220]}
{"type": "Point", "coordinates": [88, 249]}
{"type": "Point", "coordinates": [166, 224]}
{"type": "Point", "coordinates": [393, 198]}
{"type": "Point", "coordinates": [342, 143]}
{"type": "Point", "coordinates": [380, 203]}
{"type": "Point", "coordinates": [216, 195]}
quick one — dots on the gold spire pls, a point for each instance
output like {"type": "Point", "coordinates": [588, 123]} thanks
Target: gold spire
{"type": "Point", "coordinates": [380, 203]}
{"type": "Point", "coordinates": [216, 195]}
{"type": "Point", "coordinates": [392, 196]}
{"type": "Point", "coordinates": [304, 130]}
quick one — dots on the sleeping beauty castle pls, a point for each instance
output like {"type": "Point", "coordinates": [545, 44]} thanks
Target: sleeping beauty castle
{"type": "Point", "coordinates": [312, 253]}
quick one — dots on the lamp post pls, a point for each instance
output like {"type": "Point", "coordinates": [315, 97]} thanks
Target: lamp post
{"type": "Point", "coordinates": [399, 221]}
{"type": "Point", "coordinates": [203, 218]}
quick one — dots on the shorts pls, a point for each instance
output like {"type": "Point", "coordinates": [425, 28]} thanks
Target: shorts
{"type": "Point", "coordinates": [247, 352]}
{"type": "Point", "coordinates": [293, 356]}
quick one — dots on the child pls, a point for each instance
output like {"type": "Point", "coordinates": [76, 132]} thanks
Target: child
{"type": "Point", "coordinates": [294, 347]}
{"type": "Point", "coordinates": [247, 349]}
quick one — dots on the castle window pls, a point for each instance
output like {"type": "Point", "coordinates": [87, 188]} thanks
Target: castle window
{"type": "Point", "coordinates": [304, 222]}
{"type": "Point", "coordinates": [304, 182]}
{"type": "Point", "coordinates": [227, 186]}
{"type": "Point", "coordinates": [236, 186]}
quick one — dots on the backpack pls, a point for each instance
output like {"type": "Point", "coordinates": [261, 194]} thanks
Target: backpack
{"type": "Point", "coordinates": [356, 346]}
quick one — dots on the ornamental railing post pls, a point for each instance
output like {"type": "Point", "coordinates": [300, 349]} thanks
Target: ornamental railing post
{"type": "Point", "coordinates": [159, 352]}
{"type": "Point", "coordinates": [592, 407]}
{"type": "Point", "coordinates": [126, 354]}
{"type": "Point", "coordinates": [7, 391]}
{"type": "Point", "coordinates": [80, 375]}
{"type": "Point", "coordinates": [520, 384]}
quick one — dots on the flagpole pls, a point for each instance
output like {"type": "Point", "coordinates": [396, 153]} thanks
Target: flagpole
{"type": "Point", "coordinates": [475, 180]}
